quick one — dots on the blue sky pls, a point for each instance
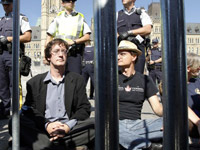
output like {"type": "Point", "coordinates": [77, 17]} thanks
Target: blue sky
{"type": "Point", "coordinates": [32, 9]}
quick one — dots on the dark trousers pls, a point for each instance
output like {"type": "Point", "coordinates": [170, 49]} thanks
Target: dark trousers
{"type": "Point", "coordinates": [38, 139]}
{"type": "Point", "coordinates": [193, 131]}
{"type": "Point", "coordinates": [74, 63]}
{"type": "Point", "coordinates": [91, 90]}
{"type": "Point", "coordinates": [155, 74]}
{"type": "Point", "coordinates": [88, 72]}
{"type": "Point", "coordinates": [5, 82]}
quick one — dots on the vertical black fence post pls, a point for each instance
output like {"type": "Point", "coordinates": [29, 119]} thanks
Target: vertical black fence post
{"type": "Point", "coordinates": [15, 77]}
{"type": "Point", "coordinates": [106, 89]}
{"type": "Point", "coordinates": [174, 75]}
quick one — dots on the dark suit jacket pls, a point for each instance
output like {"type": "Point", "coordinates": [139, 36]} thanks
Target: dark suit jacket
{"type": "Point", "coordinates": [76, 102]}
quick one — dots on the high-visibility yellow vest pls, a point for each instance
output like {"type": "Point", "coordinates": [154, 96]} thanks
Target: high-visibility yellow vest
{"type": "Point", "coordinates": [69, 27]}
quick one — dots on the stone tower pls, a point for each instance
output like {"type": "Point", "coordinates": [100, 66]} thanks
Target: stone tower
{"type": "Point", "coordinates": [155, 14]}
{"type": "Point", "coordinates": [49, 9]}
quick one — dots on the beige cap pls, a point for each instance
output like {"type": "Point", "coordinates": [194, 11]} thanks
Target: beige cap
{"type": "Point", "coordinates": [127, 45]}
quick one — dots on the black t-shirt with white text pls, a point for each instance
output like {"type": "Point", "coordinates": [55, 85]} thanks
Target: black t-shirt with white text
{"type": "Point", "coordinates": [133, 91]}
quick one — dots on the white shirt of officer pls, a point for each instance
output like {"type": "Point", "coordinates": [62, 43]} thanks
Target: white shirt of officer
{"type": "Point", "coordinates": [63, 19]}
{"type": "Point", "coordinates": [144, 17]}
{"type": "Point", "coordinates": [23, 20]}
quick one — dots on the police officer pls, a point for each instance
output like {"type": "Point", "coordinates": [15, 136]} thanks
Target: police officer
{"type": "Point", "coordinates": [6, 39]}
{"type": "Point", "coordinates": [154, 59]}
{"type": "Point", "coordinates": [88, 66]}
{"type": "Point", "coordinates": [70, 25]}
{"type": "Point", "coordinates": [134, 24]}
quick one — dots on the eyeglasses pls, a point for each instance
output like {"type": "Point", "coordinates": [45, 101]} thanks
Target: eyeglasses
{"type": "Point", "coordinates": [57, 52]}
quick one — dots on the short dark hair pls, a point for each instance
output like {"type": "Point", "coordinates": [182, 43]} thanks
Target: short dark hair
{"type": "Point", "coordinates": [48, 49]}
{"type": "Point", "coordinates": [134, 53]}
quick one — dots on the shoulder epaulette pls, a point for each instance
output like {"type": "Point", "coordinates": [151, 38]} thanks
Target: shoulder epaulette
{"type": "Point", "coordinates": [120, 12]}
{"type": "Point", "coordinates": [81, 14]}
{"type": "Point", "coordinates": [138, 11]}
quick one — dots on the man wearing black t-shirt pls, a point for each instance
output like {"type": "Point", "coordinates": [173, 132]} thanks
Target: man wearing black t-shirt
{"type": "Point", "coordinates": [134, 88]}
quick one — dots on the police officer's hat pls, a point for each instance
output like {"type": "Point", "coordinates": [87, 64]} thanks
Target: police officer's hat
{"type": "Point", "coordinates": [6, 1]}
{"type": "Point", "coordinates": [129, 46]}
{"type": "Point", "coordinates": [155, 40]}
{"type": "Point", "coordinates": [68, 0]}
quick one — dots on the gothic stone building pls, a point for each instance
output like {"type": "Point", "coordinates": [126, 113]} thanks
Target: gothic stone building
{"type": "Point", "coordinates": [49, 9]}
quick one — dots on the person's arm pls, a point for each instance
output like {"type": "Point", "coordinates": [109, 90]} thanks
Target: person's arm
{"type": "Point", "coordinates": [146, 23]}
{"type": "Point", "coordinates": [48, 39]}
{"type": "Point", "coordinates": [71, 123]}
{"type": "Point", "coordinates": [152, 62]}
{"type": "Point", "coordinates": [156, 105]}
{"type": "Point", "coordinates": [143, 31]}
{"type": "Point", "coordinates": [158, 60]}
{"type": "Point", "coordinates": [52, 31]}
{"type": "Point", "coordinates": [25, 29]}
{"type": "Point", "coordinates": [194, 118]}
{"type": "Point", "coordinates": [24, 38]}
{"type": "Point", "coordinates": [81, 40]}
{"type": "Point", "coordinates": [84, 38]}
{"type": "Point", "coordinates": [31, 101]}
{"type": "Point", "coordinates": [148, 56]}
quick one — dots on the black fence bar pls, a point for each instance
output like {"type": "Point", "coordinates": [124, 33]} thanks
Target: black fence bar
{"type": "Point", "coordinates": [106, 89]}
{"type": "Point", "coordinates": [15, 77]}
{"type": "Point", "coordinates": [174, 73]}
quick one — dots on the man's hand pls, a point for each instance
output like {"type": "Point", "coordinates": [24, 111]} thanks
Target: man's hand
{"type": "Point", "coordinates": [3, 40]}
{"type": "Point", "coordinates": [9, 38]}
{"type": "Point", "coordinates": [151, 62]}
{"type": "Point", "coordinates": [52, 126]}
{"type": "Point", "coordinates": [149, 52]}
{"type": "Point", "coordinates": [70, 43]}
{"type": "Point", "coordinates": [58, 133]}
{"type": "Point", "coordinates": [57, 130]}
{"type": "Point", "coordinates": [123, 36]}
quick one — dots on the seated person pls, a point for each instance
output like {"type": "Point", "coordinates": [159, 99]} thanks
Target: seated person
{"type": "Point", "coordinates": [194, 120]}
{"type": "Point", "coordinates": [193, 68]}
{"type": "Point", "coordinates": [56, 110]}
{"type": "Point", "coordinates": [134, 89]}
